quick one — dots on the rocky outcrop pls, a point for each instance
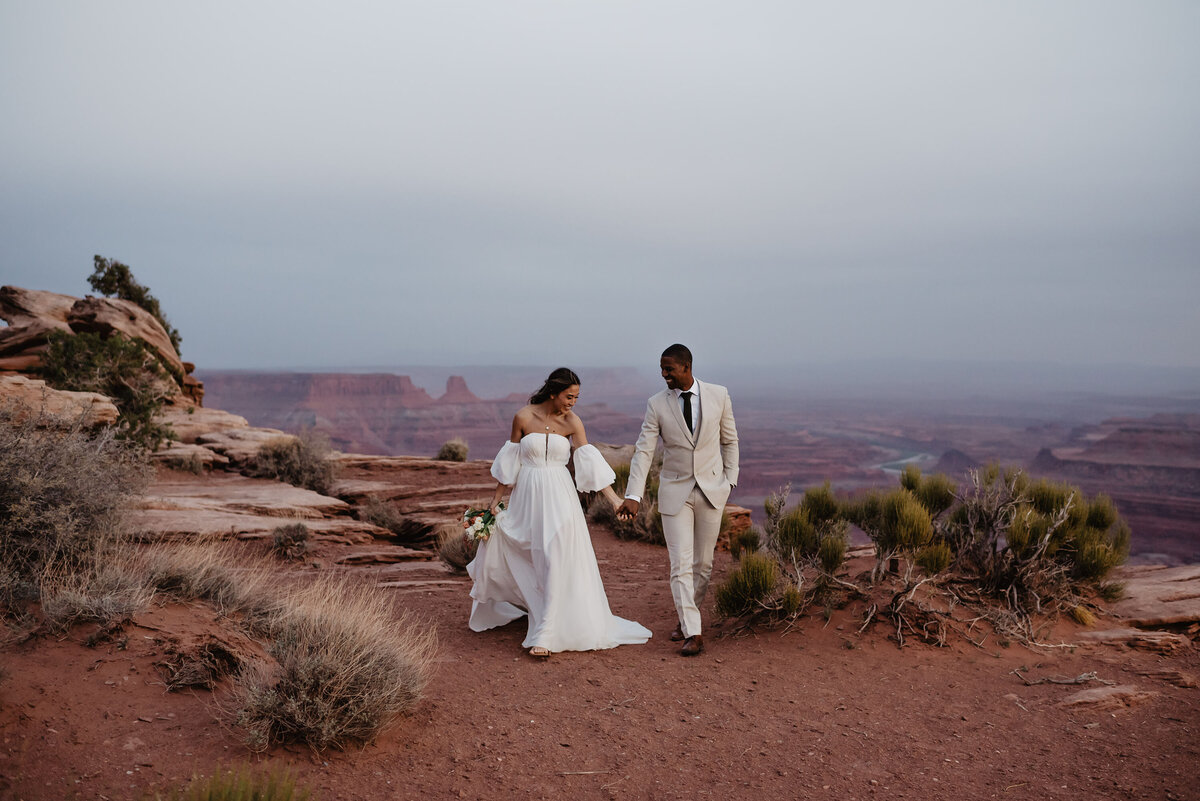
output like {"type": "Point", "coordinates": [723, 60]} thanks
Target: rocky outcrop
{"type": "Point", "coordinates": [1107, 698]}
{"type": "Point", "coordinates": [106, 316]}
{"type": "Point", "coordinates": [190, 422]}
{"type": "Point", "coordinates": [1160, 596]}
{"type": "Point", "coordinates": [32, 315]}
{"type": "Point", "coordinates": [28, 396]}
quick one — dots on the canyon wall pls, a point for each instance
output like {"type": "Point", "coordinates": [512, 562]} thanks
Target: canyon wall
{"type": "Point", "coordinates": [387, 414]}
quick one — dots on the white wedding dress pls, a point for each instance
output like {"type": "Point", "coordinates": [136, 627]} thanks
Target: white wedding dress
{"type": "Point", "coordinates": [539, 559]}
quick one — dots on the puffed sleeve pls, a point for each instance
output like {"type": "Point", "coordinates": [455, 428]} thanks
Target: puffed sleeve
{"type": "Point", "coordinates": [591, 471]}
{"type": "Point", "coordinates": [507, 464]}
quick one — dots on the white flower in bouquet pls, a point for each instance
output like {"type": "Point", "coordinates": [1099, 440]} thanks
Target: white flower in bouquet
{"type": "Point", "coordinates": [478, 523]}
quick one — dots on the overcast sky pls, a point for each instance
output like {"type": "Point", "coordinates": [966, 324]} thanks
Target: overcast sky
{"type": "Point", "coordinates": [346, 184]}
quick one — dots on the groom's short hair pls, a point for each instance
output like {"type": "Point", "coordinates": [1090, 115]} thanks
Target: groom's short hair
{"type": "Point", "coordinates": [679, 353]}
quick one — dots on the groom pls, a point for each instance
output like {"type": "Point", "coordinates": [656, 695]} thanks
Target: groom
{"type": "Point", "coordinates": [700, 467]}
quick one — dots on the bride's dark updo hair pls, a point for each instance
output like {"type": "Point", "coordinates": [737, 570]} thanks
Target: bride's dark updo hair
{"type": "Point", "coordinates": [559, 380]}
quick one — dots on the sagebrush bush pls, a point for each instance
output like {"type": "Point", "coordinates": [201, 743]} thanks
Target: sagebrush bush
{"type": "Point", "coordinates": [291, 541]}
{"type": "Point", "coordinates": [347, 665]}
{"type": "Point", "coordinates": [302, 461]}
{"type": "Point", "coordinates": [454, 450]}
{"type": "Point", "coordinates": [748, 588]}
{"type": "Point", "coordinates": [64, 490]}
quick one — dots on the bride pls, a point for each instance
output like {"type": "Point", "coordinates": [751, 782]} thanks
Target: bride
{"type": "Point", "coordinates": [539, 560]}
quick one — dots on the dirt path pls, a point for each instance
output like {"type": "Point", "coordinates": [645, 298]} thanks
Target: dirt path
{"type": "Point", "coordinates": [820, 712]}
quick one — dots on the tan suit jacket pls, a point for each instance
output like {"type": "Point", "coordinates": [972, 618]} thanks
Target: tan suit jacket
{"type": "Point", "coordinates": [707, 459]}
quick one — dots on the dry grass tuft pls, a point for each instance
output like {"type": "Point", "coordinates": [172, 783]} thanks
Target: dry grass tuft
{"type": "Point", "coordinates": [455, 549]}
{"type": "Point", "coordinates": [347, 666]}
{"type": "Point", "coordinates": [243, 784]}
{"type": "Point", "coordinates": [109, 593]}
{"type": "Point", "coordinates": [215, 572]}
{"type": "Point", "coordinates": [454, 450]}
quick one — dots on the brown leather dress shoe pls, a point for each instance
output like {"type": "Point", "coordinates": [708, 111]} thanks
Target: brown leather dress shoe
{"type": "Point", "coordinates": [692, 646]}
{"type": "Point", "coordinates": [677, 633]}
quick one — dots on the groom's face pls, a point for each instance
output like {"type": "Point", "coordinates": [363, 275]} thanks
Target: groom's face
{"type": "Point", "coordinates": [675, 373]}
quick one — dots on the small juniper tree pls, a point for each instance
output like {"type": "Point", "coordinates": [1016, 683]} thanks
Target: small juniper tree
{"type": "Point", "coordinates": [119, 367]}
{"type": "Point", "coordinates": [114, 279]}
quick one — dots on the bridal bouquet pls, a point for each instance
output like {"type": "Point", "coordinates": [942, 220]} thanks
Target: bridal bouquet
{"type": "Point", "coordinates": [478, 523]}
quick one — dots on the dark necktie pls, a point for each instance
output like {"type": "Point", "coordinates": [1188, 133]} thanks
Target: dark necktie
{"type": "Point", "coordinates": [687, 410]}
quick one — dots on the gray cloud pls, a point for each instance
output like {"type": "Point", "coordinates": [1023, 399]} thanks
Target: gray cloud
{"type": "Point", "coordinates": [303, 184]}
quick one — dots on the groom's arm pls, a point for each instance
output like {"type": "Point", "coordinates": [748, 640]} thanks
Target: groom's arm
{"type": "Point", "coordinates": [729, 443]}
{"type": "Point", "coordinates": [643, 455]}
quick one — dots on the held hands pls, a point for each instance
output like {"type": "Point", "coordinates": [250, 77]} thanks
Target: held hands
{"type": "Point", "coordinates": [628, 509]}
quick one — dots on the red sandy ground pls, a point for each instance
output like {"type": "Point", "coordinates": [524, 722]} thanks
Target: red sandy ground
{"type": "Point", "coordinates": [821, 712]}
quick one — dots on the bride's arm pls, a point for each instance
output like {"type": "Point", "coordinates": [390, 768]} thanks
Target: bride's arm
{"type": "Point", "coordinates": [611, 496]}
{"type": "Point", "coordinates": [578, 440]}
{"type": "Point", "coordinates": [518, 428]}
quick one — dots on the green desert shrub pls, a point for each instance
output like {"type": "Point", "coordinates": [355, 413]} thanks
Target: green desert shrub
{"type": "Point", "coordinates": [122, 369]}
{"type": "Point", "coordinates": [748, 539]}
{"type": "Point", "coordinates": [64, 490]}
{"type": "Point", "coordinates": [347, 665]}
{"type": "Point", "coordinates": [621, 484]}
{"type": "Point", "coordinates": [748, 587]}
{"type": "Point", "coordinates": [821, 505]}
{"type": "Point", "coordinates": [291, 541]}
{"type": "Point", "coordinates": [1034, 541]}
{"type": "Point", "coordinates": [934, 558]}
{"type": "Point", "coordinates": [831, 553]}
{"type": "Point", "coordinates": [302, 461]}
{"type": "Point", "coordinates": [243, 784]}
{"type": "Point", "coordinates": [114, 279]}
{"type": "Point", "coordinates": [454, 450]}
{"type": "Point", "coordinates": [796, 535]}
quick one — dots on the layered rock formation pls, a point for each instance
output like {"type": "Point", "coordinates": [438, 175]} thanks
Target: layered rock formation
{"type": "Point", "coordinates": [33, 314]}
{"type": "Point", "coordinates": [386, 414]}
{"type": "Point", "coordinates": [27, 396]}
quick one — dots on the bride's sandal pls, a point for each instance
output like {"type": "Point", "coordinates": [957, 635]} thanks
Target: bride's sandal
{"type": "Point", "coordinates": [539, 652]}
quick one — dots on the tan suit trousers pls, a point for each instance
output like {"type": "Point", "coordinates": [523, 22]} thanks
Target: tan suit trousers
{"type": "Point", "coordinates": [691, 537]}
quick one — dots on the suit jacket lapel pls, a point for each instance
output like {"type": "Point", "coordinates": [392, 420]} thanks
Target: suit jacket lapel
{"type": "Point", "coordinates": [677, 414]}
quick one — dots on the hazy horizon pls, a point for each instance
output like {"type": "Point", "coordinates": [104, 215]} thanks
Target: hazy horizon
{"type": "Point", "coordinates": [780, 184]}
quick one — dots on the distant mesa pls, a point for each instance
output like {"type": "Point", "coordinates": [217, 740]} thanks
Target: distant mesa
{"type": "Point", "coordinates": [954, 462]}
{"type": "Point", "coordinates": [457, 392]}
